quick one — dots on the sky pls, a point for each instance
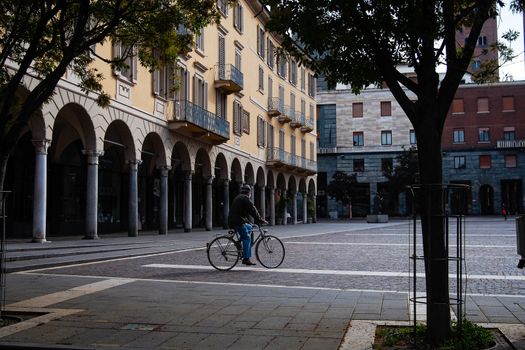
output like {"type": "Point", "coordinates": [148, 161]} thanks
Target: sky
{"type": "Point", "coordinates": [507, 21]}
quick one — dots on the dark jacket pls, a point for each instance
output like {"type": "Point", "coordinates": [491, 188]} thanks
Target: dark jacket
{"type": "Point", "coordinates": [240, 210]}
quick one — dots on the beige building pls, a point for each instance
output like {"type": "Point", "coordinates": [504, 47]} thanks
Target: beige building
{"type": "Point", "coordinates": [161, 158]}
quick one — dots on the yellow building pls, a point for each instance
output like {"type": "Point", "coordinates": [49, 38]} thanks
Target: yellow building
{"type": "Point", "coordinates": [160, 158]}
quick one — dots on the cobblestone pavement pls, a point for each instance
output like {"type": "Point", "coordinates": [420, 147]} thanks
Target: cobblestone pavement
{"type": "Point", "coordinates": [176, 300]}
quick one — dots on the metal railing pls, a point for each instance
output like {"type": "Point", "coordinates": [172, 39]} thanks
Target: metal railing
{"type": "Point", "coordinates": [277, 154]}
{"type": "Point", "coordinates": [190, 112]}
{"type": "Point", "coordinates": [275, 104]}
{"type": "Point", "coordinates": [229, 72]}
{"type": "Point", "coordinates": [510, 143]}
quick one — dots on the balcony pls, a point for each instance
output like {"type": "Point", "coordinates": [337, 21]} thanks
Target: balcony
{"type": "Point", "coordinates": [297, 120]}
{"type": "Point", "coordinates": [284, 117]}
{"type": "Point", "coordinates": [196, 122]}
{"type": "Point", "coordinates": [228, 79]}
{"type": "Point", "coordinates": [275, 106]}
{"type": "Point", "coordinates": [277, 158]}
{"type": "Point", "coordinates": [308, 125]}
{"type": "Point", "coordinates": [510, 143]}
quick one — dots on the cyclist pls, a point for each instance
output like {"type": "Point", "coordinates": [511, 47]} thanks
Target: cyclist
{"type": "Point", "coordinates": [241, 208]}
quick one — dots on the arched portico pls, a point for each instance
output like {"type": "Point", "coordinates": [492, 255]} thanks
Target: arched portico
{"type": "Point", "coordinates": [181, 187]}
{"type": "Point", "coordinates": [221, 191]}
{"type": "Point", "coordinates": [202, 191]}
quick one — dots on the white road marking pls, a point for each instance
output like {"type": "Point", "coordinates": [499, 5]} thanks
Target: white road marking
{"type": "Point", "coordinates": [495, 235]}
{"type": "Point", "coordinates": [334, 272]}
{"type": "Point", "coordinates": [394, 244]}
{"type": "Point", "coordinates": [55, 298]}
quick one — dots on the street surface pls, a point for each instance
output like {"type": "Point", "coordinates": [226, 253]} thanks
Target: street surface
{"type": "Point", "coordinates": [353, 271]}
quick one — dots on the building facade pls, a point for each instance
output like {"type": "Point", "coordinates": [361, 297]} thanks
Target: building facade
{"type": "Point", "coordinates": [160, 158]}
{"type": "Point", "coordinates": [483, 146]}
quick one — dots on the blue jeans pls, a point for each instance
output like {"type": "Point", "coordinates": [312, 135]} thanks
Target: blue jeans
{"type": "Point", "coordinates": [245, 231]}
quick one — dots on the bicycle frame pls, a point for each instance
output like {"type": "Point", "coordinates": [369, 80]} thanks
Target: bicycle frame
{"type": "Point", "coordinates": [261, 234]}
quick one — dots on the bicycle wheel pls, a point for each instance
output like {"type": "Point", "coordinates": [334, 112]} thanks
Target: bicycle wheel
{"type": "Point", "coordinates": [270, 251]}
{"type": "Point", "coordinates": [223, 253]}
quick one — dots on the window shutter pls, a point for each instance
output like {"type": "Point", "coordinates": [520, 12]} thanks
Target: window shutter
{"type": "Point", "coordinates": [134, 71]}
{"type": "Point", "coordinates": [222, 53]}
{"type": "Point", "coordinates": [205, 96]}
{"type": "Point", "coordinates": [116, 49]}
{"type": "Point", "coordinates": [508, 103]}
{"type": "Point", "coordinates": [457, 105]}
{"type": "Point", "coordinates": [241, 18]}
{"type": "Point", "coordinates": [171, 81]}
{"type": "Point", "coordinates": [357, 110]}
{"type": "Point", "coordinates": [483, 104]}
{"type": "Point", "coordinates": [195, 95]}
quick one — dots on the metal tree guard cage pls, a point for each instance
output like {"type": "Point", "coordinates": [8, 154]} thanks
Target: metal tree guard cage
{"type": "Point", "coordinates": [451, 214]}
{"type": "Point", "coordinates": [3, 217]}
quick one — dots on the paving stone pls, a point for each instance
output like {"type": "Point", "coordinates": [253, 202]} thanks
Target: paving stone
{"type": "Point", "coordinates": [321, 343]}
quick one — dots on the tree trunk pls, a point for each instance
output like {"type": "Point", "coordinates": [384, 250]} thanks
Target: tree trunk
{"type": "Point", "coordinates": [431, 206]}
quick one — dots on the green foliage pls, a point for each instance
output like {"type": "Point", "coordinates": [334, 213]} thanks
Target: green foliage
{"type": "Point", "coordinates": [470, 337]}
{"type": "Point", "coordinates": [341, 187]}
{"type": "Point", "coordinates": [405, 172]}
{"type": "Point", "coordinates": [310, 208]}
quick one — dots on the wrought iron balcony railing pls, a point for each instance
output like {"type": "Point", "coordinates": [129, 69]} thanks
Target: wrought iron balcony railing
{"type": "Point", "coordinates": [228, 78]}
{"type": "Point", "coordinates": [275, 106]}
{"type": "Point", "coordinates": [277, 157]}
{"type": "Point", "coordinates": [186, 111]}
{"type": "Point", "coordinates": [308, 125]}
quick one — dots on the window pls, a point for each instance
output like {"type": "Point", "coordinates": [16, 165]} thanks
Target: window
{"type": "Point", "coordinates": [293, 72]}
{"type": "Point", "coordinates": [237, 118]}
{"type": "Point", "coordinates": [129, 70]}
{"type": "Point", "coordinates": [303, 79]}
{"type": "Point", "coordinates": [509, 133]}
{"type": "Point", "coordinates": [511, 161]}
{"type": "Point", "coordinates": [311, 85]}
{"type": "Point", "coordinates": [245, 122]}
{"type": "Point", "coordinates": [482, 41]}
{"type": "Point", "coordinates": [261, 132]}
{"type": "Point", "coordinates": [238, 60]}
{"type": "Point", "coordinates": [181, 94]}
{"type": "Point", "coordinates": [357, 110]}
{"type": "Point", "coordinates": [164, 82]}
{"type": "Point", "coordinates": [200, 91]}
{"type": "Point", "coordinates": [260, 42]}
{"type": "Point", "coordinates": [476, 64]}
{"type": "Point", "coordinates": [459, 162]}
{"type": "Point", "coordinates": [483, 105]}
{"type": "Point", "coordinates": [459, 136]}
{"type": "Point", "coordinates": [312, 150]}
{"type": "Point", "coordinates": [292, 146]}
{"type": "Point", "coordinates": [271, 54]}
{"type": "Point", "coordinates": [413, 139]}
{"type": "Point", "coordinates": [484, 135]}
{"type": "Point", "coordinates": [199, 41]}
{"type": "Point", "coordinates": [269, 136]}
{"type": "Point", "coordinates": [359, 165]}
{"type": "Point", "coordinates": [220, 108]}
{"type": "Point", "coordinates": [281, 66]}
{"type": "Point", "coordinates": [485, 162]}
{"type": "Point", "coordinates": [457, 106]}
{"type": "Point", "coordinates": [292, 105]}
{"type": "Point", "coordinates": [386, 109]}
{"type": "Point", "coordinates": [238, 18]}
{"type": "Point", "coordinates": [359, 139]}
{"type": "Point", "coordinates": [386, 137]}
{"type": "Point", "coordinates": [222, 5]}
{"type": "Point", "coordinates": [270, 87]}
{"type": "Point", "coordinates": [261, 79]}
{"type": "Point", "coordinates": [387, 164]}
{"type": "Point", "coordinates": [508, 103]}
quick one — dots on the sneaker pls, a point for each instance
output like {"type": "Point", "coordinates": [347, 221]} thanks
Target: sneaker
{"type": "Point", "coordinates": [248, 262]}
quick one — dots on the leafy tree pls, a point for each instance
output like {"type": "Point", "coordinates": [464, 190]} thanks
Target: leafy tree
{"type": "Point", "coordinates": [404, 173]}
{"type": "Point", "coordinates": [44, 38]}
{"type": "Point", "coordinates": [341, 187]}
{"type": "Point", "coordinates": [364, 42]}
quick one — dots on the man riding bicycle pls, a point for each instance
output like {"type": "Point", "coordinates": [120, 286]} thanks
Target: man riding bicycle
{"type": "Point", "coordinates": [240, 210]}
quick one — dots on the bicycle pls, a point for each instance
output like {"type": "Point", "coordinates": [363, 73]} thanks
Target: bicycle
{"type": "Point", "coordinates": [225, 251]}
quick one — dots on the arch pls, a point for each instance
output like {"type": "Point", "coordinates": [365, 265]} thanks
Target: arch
{"type": "Point", "coordinates": [118, 135]}
{"type": "Point", "coordinates": [180, 157]}
{"type": "Point", "coordinates": [292, 184]}
{"type": "Point", "coordinates": [236, 171]}
{"type": "Point", "coordinates": [302, 185]}
{"type": "Point", "coordinates": [202, 160]}
{"type": "Point", "coordinates": [153, 147]}
{"type": "Point", "coordinates": [221, 170]}
{"type": "Point", "coordinates": [249, 176]}
{"type": "Point", "coordinates": [281, 182]}
{"type": "Point", "coordinates": [270, 181]}
{"type": "Point", "coordinates": [260, 177]}
{"type": "Point", "coordinates": [311, 187]}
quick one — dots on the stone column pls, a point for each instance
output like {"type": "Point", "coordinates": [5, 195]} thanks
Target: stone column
{"type": "Point", "coordinates": [262, 201]}
{"type": "Point", "coordinates": [188, 206]}
{"type": "Point", "coordinates": [163, 215]}
{"type": "Point", "coordinates": [272, 206]}
{"type": "Point", "coordinates": [226, 203]}
{"type": "Point", "coordinates": [252, 190]}
{"type": "Point", "coordinates": [209, 204]}
{"type": "Point", "coordinates": [305, 208]}
{"type": "Point", "coordinates": [92, 193]}
{"type": "Point", "coordinates": [285, 219]}
{"type": "Point", "coordinates": [294, 208]}
{"type": "Point", "coordinates": [314, 199]}
{"type": "Point", "coordinates": [40, 191]}
{"type": "Point", "coordinates": [133, 198]}
{"type": "Point", "coordinates": [373, 193]}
